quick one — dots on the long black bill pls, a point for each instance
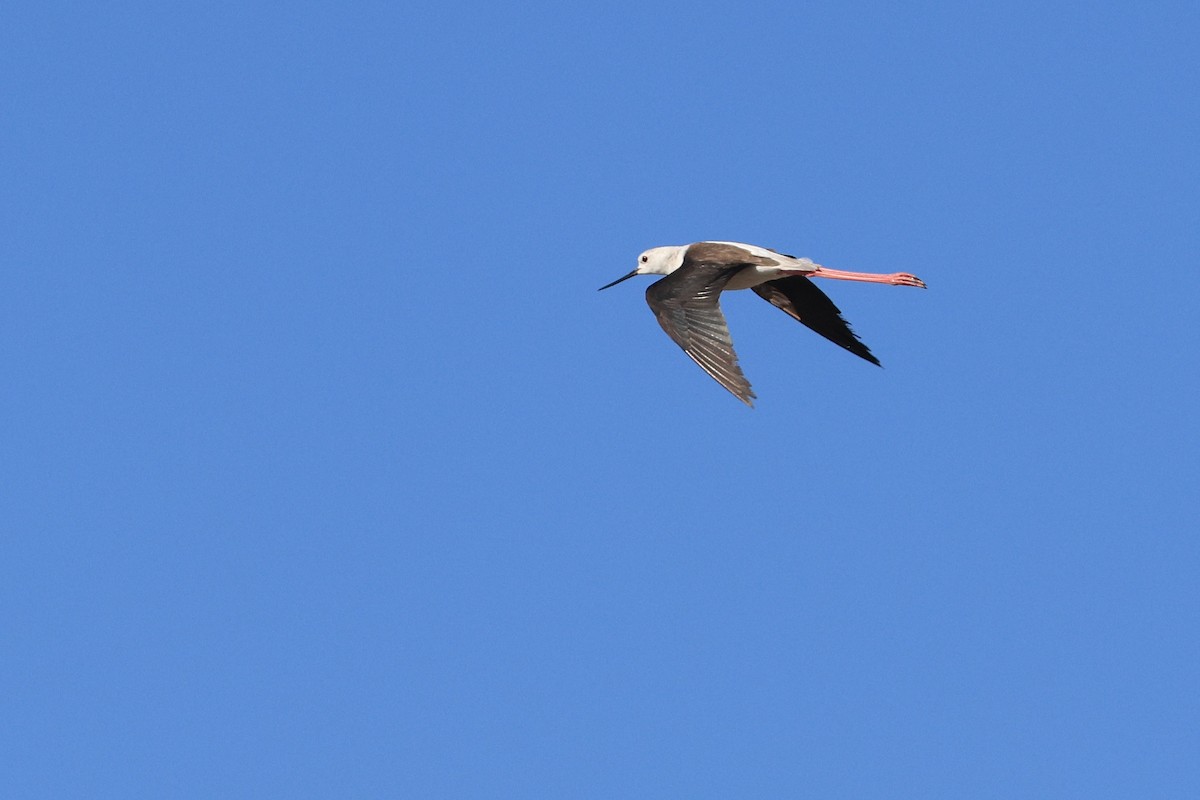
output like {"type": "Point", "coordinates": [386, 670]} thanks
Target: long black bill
{"type": "Point", "coordinates": [618, 280]}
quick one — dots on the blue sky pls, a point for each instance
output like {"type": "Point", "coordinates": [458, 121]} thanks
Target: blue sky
{"type": "Point", "coordinates": [328, 473]}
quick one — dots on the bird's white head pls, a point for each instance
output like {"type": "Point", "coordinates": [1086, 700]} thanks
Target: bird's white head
{"type": "Point", "coordinates": [655, 261]}
{"type": "Point", "coordinates": [660, 260]}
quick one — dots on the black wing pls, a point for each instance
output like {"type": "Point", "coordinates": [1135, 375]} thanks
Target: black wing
{"type": "Point", "coordinates": [685, 303]}
{"type": "Point", "coordinates": [802, 300]}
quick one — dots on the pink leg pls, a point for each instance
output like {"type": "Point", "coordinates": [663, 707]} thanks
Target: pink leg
{"type": "Point", "coordinates": [894, 279]}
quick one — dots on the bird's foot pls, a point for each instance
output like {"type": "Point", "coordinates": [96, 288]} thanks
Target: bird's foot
{"type": "Point", "coordinates": [904, 279]}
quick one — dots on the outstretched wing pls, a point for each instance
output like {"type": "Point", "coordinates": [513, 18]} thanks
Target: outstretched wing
{"type": "Point", "coordinates": [802, 300]}
{"type": "Point", "coordinates": [685, 303]}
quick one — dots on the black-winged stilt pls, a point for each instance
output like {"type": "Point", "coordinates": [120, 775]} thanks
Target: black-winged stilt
{"type": "Point", "coordinates": [685, 302]}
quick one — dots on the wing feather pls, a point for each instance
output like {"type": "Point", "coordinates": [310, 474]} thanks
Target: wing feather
{"type": "Point", "coordinates": [800, 299]}
{"type": "Point", "coordinates": [685, 304]}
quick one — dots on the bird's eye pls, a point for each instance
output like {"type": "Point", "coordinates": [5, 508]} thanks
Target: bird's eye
{"type": "Point", "coordinates": [645, 259]}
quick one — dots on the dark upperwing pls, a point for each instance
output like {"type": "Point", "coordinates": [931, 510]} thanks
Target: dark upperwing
{"type": "Point", "coordinates": [800, 299]}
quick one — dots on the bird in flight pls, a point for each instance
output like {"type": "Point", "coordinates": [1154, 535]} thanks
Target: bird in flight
{"type": "Point", "coordinates": [685, 301]}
